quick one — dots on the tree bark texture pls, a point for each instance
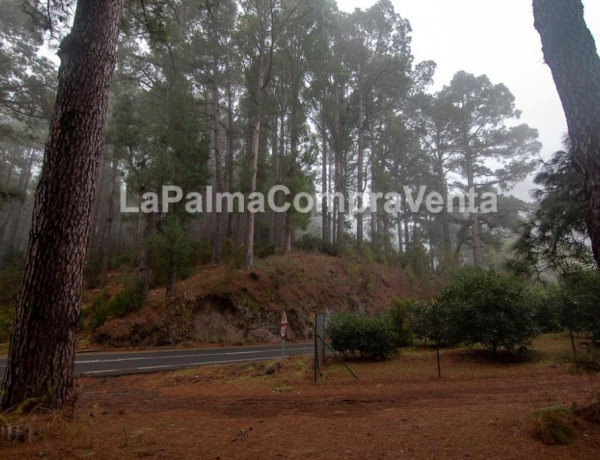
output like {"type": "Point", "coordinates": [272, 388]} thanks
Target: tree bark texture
{"type": "Point", "coordinates": [42, 346]}
{"type": "Point", "coordinates": [570, 52]}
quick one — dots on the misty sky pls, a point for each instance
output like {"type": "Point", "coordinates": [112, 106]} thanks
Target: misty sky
{"type": "Point", "coordinates": [496, 38]}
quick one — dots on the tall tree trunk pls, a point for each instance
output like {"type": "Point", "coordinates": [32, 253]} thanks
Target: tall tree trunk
{"type": "Point", "coordinates": [360, 175]}
{"type": "Point", "coordinates": [42, 346]}
{"type": "Point", "coordinates": [9, 174]}
{"type": "Point", "coordinates": [400, 243]}
{"type": "Point", "coordinates": [324, 189]}
{"type": "Point", "coordinates": [445, 218]}
{"type": "Point", "coordinates": [107, 227]}
{"type": "Point", "coordinates": [144, 267]}
{"type": "Point", "coordinates": [570, 52]}
{"type": "Point", "coordinates": [374, 189]}
{"type": "Point", "coordinates": [172, 274]}
{"type": "Point", "coordinates": [330, 187]}
{"type": "Point", "coordinates": [280, 220]}
{"type": "Point", "coordinates": [407, 240]}
{"type": "Point", "coordinates": [262, 68]}
{"type": "Point", "coordinates": [339, 173]}
{"type": "Point", "coordinates": [288, 234]}
{"type": "Point", "coordinates": [119, 234]}
{"type": "Point", "coordinates": [275, 172]}
{"type": "Point", "coordinates": [218, 234]}
{"type": "Point", "coordinates": [17, 207]}
{"type": "Point", "coordinates": [474, 215]}
{"type": "Point", "coordinates": [230, 146]}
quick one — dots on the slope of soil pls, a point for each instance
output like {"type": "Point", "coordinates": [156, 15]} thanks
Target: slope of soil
{"type": "Point", "coordinates": [222, 305]}
{"type": "Point", "coordinates": [399, 409]}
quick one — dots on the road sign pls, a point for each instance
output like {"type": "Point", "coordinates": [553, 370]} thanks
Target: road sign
{"type": "Point", "coordinates": [284, 324]}
{"type": "Point", "coordinates": [283, 332]}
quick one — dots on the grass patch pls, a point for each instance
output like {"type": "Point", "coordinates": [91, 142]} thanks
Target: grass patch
{"type": "Point", "coordinates": [553, 425]}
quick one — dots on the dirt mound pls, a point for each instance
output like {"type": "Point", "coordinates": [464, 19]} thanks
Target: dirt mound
{"type": "Point", "coordinates": [222, 305]}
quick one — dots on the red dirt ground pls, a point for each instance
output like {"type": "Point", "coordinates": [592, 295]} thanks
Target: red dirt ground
{"type": "Point", "coordinates": [399, 409]}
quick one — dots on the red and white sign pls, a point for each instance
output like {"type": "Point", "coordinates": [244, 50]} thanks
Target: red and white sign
{"type": "Point", "coordinates": [284, 323]}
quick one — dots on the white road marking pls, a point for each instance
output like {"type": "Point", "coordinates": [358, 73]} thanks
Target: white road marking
{"type": "Point", "coordinates": [145, 358]}
{"type": "Point", "coordinates": [173, 366]}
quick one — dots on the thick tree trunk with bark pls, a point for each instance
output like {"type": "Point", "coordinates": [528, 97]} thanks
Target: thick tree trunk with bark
{"type": "Point", "coordinates": [43, 342]}
{"type": "Point", "coordinates": [570, 52]}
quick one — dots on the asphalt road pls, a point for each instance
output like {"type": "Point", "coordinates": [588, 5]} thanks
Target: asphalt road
{"type": "Point", "coordinates": [118, 363]}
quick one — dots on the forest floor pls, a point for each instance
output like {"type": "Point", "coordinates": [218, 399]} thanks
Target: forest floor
{"type": "Point", "coordinates": [480, 408]}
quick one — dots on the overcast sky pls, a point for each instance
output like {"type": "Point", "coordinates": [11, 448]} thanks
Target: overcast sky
{"type": "Point", "coordinates": [496, 38]}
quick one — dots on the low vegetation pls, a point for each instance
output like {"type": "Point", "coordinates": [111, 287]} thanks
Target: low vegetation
{"type": "Point", "coordinates": [553, 425]}
{"type": "Point", "coordinates": [368, 335]}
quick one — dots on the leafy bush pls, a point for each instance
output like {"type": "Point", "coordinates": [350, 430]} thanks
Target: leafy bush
{"type": "Point", "coordinates": [580, 289]}
{"type": "Point", "coordinates": [104, 307]}
{"type": "Point", "coordinates": [368, 335]}
{"type": "Point", "coordinates": [420, 318]}
{"type": "Point", "coordinates": [487, 307]}
{"type": "Point", "coordinates": [400, 314]}
{"type": "Point", "coordinates": [547, 305]}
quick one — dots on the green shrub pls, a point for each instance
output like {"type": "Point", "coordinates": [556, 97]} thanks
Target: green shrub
{"type": "Point", "coordinates": [200, 253]}
{"type": "Point", "coordinates": [331, 249]}
{"type": "Point", "coordinates": [363, 334]}
{"type": "Point", "coordinates": [265, 251]}
{"type": "Point", "coordinates": [580, 291]}
{"type": "Point", "coordinates": [420, 318]}
{"type": "Point", "coordinates": [547, 306]}
{"type": "Point", "coordinates": [553, 425]}
{"type": "Point", "coordinates": [98, 311]}
{"type": "Point", "coordinates": [232, 254]}
{"type": "Point", "coordinates": [104, 307]}
{"type": "Point", "coordinates": [309, 243]}
{"type": "Point", "coordinates": [314, 244]}
{"type": "Point", "coordinates": [400, 314]}
{"type": "Point", "coordinates": [487, 307]}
